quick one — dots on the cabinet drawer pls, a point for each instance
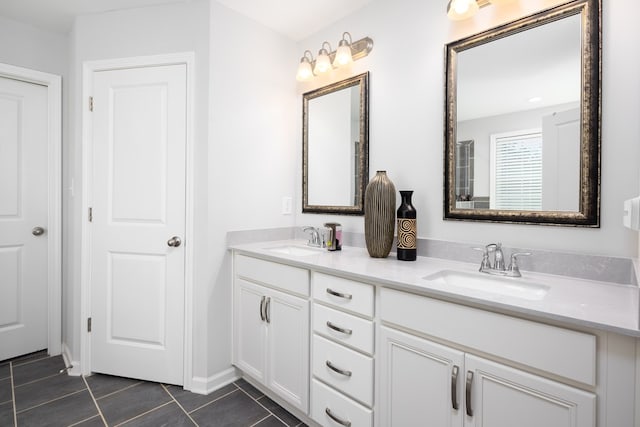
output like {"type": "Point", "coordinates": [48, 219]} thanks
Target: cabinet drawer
{"type": "Point", "coordinates": [356, 378]}
{"type": "Point", "coordinates": [559, 351]}
{"type": "Point", "coordinates": [341, 407]}
{"type": "Point", "coordinates": [356, 332]}
{"type": "Point", "coordinates": [292, 279]}
{"type": "Point", "coordinates": [343, 293]}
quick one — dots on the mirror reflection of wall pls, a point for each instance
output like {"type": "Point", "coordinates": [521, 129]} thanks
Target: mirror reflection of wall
{"type": "Point", "coordinates": [334, 130]}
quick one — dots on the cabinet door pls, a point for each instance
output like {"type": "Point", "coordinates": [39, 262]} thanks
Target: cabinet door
{"type": "Point", "coordinates": [418, 384]}
{"type": "Point", "coordinates": [506, 397]}
{"type": "Point", "coordinates": [250, 330]}
{"type": "Point", "coordinates": [288, 347]}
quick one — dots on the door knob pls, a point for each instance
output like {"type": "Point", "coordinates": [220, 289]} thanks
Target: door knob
{"type": "Point", "coordinates": [174, 242]}
{"type": "Point", "coordinates": [37, 231]}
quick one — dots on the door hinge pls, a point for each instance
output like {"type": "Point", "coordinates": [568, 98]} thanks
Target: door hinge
{"type": "Point", "coordinates": [91, 103]}
{"type": "Point", "coordinates": [90, 214]}
{"type": "Point", "coordinates": [89, 324]}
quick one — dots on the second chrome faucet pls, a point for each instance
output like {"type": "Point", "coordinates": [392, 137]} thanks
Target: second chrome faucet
{"type": "Point", "coordinates": [497, 267]}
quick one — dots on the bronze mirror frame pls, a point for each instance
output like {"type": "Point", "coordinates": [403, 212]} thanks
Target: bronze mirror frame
{"type": "Point", "coordinates": [361, 180]}
{"type": "Point", "coordinates": [588, 214]}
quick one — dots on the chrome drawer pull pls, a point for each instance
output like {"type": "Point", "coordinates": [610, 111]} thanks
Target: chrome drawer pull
{"type": "Point", "coordinates": [338, 370]}
{"type": "Point", "coordinates": [339, 329]}
{"type": "Point", "coordinates": [468, 393]}
{"type": "Point", "coordinates": [339, 294]}
{"type": "Point", "coordinates": [454, 387]}
{"type": "Point", "coordinates": [337, 419]}
{"type": "Point", "coordinates": [267, 310]}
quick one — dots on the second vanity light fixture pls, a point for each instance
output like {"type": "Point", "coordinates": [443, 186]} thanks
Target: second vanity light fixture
{"type": "Point", "coordinates": [347, 52]}
{"type": "Point", "coordinates": [457, 10]}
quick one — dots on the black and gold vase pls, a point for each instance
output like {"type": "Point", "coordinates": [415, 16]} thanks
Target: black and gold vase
{"type": "Point", "coordinates": [379, 215]}
{"type": "Point", "coordinates": [407, 228]}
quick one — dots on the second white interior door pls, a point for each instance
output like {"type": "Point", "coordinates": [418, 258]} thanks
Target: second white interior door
{"type": "Point", "coordinates": [138, 207]}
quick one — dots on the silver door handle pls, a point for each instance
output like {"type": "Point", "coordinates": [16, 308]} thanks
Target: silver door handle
{"type": "Point", "coordinates": [262, 308]}
{"type": "Point", "coordinates": [339, 420]}
{"type": "Point", "coordinates": [454, 387]}
{"type": "Point", "coordinates": [37, 231]}
{"type": "Point", "coordinates": [174, 242]}
{"type": "Point", "coordinates": [338, 370]}
{"type": "Point", "coordinates": [267, 310]}
{"type": "Point", "coordinates": [339, 329]}
{"type": "Point", "coordinates": [468, 393]}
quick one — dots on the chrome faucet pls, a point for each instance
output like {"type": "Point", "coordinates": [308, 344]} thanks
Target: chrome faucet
{"type": "Point", "coordinates": [314, 237]}
{"type": "Point", "coordinates": [497, 267]}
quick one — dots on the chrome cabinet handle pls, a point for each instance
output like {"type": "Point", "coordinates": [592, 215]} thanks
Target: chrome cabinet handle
{"type": "Point", "coordinates": [267, 310]}
{"type": "Point", "coordinates": [339, 294]}
{"type": "Point", "coordinates": [174, 242]}
{"type": "Point", "coordinates": [338, 370]}
{"type": "Point", "coordinates": [336, 418]}
{"type": "Point", "coordinates": [262, 308]}
{"type": "Point", "coordinates": [468, 393]}
{"type": "Point", "coordinates": [37, 231]}
{"type": "Point", "coordinates": [454, 388]}
{"type": "Point", "coordinates": [339, 329]}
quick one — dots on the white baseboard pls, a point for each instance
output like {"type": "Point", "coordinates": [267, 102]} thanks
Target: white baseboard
{"type": "Point", "coordinates": [73, 365]}
{"type": "Point", "coordinates": [202, 385]}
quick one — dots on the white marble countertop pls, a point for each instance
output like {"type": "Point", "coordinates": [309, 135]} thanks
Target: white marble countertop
{"type": "Point", "coordinates": [579, 302]}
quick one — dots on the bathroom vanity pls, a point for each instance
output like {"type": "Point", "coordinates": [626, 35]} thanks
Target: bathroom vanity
{"type": "Point", "coordinates": [344, 339]}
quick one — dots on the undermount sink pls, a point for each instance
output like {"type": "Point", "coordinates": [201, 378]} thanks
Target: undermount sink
{"type": "Point", "coordinates": [507, 286]}
{"type": "Point", "coordinates": [294, 250]}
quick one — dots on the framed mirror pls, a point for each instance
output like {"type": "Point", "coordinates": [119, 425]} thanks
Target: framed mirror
{"type": "Point", "coordinates": [335, 147]}
{"type": "Point", "coordinates": [522, 120]}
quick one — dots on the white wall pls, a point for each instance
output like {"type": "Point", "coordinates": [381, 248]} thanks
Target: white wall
{"type": "Point", "coordinates": [141, 32]}
{"type": "Point", "coordinates": [407, 109]}
{"type": "Point", "coordinates": [253, 151]}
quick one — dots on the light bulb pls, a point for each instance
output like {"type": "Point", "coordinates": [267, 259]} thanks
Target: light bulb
{"type": "Point", "coordinates": [343, 55]}
{"type": "Point", "coordinates": [304, 70]}
{"type": "Point", "coordinates": [458, 10]}
{"type": "Point", "coordinates": [323, 63]}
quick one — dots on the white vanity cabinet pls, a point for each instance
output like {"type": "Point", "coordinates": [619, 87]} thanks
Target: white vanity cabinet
{"type": "Point", "coordinates": [271, 327]}
{"type": "Point", "coordinates": [342, 387]}
{"type": "Point", "coordinates": [428, 383]}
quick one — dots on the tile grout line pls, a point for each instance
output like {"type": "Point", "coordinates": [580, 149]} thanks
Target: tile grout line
{"type": "Point", "coordinates": [49, 401]}
{"type": "Point", "coordinates": [39, 379]}
{"type": "Point", "coordinates": [32, 360]}
{"type": "Point", "coordinates": [179, 405]}
{"type": "Point", "coordinates": [267, 409]}
{"type": "Point", "coordinates": [214, 400]}
{"type": "Point", "coordinates": [82, 421]}
{"type": "Point", "coordinates": [117, 391]}
{"type": "Point", "coordinates": [143, 414]}
{"type": "Point", "coordinates": [13, 395]}
{"type": "Point", "coordinates": [260, 420]}
{"type": "Point", "coordinates": [95, 402]}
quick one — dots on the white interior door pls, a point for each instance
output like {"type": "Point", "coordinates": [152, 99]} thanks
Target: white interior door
{"type": "Point", "coordinates": [138, 219]}
{"type": "Point", "coordinates": [23, 208]}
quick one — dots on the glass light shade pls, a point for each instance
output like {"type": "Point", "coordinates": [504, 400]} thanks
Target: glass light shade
{"type": "Point", "coordinates": [343, 55]}
{"type": "Point", "coordinates": [323, 63]}
{"type": "Point", "coordinates": [458, 10]}
{"type": "Point", "coordinates": [304, 70]}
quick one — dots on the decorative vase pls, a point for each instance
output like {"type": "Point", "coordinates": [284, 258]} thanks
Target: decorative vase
{"type": "Point", "coordinates": [407, 228]}
{"type": "Point", "coordinates": [379, 215]}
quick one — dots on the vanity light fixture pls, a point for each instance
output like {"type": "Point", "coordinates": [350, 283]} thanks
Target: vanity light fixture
{"type": "Point", "coordinates": [458, 10]}
{"type": "Point", "coordinates": [347, 52]}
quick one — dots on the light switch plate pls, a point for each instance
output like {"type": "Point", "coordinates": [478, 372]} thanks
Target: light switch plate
{"type": "Point", "coordinates": [286, 205]}
{"type": "Point", "coordinates": [631, 216]}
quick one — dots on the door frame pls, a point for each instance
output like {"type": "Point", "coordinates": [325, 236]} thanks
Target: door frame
{"type": "Point", "coordinates": [88, 68]}
{"type": "Point", "coordinates": [53, 83]}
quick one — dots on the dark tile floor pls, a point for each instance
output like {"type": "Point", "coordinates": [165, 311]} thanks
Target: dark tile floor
{"type": "Point", "coordinates": [33, 392]}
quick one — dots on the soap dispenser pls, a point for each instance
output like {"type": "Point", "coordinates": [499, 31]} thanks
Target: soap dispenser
{"type": "Point", "coordinates": [334, 240]}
